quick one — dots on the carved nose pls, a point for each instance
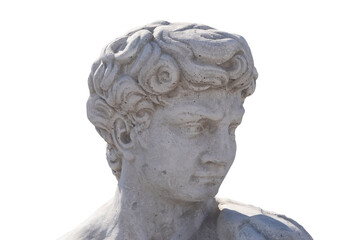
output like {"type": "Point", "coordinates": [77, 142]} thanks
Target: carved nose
{"type": "Point", "coordinates": [220, 151]}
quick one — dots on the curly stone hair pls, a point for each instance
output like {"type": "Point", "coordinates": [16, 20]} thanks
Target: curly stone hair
{"type": "Point", "coordinates": [138, 71]}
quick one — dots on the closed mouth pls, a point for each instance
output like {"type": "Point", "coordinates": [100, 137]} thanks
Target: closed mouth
{"type": "Point", "coordinates": [206, 178]}
{"type": "Point", "coordinates": [207, 175]}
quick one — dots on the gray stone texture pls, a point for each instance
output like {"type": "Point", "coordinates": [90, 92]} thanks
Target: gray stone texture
{"type": "Point", "coordinates": [167, 99]}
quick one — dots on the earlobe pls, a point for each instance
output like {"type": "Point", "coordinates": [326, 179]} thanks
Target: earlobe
{"type": "Point", "coordinates": [122, 139]}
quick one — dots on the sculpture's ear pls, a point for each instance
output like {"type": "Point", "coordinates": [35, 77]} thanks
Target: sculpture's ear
{"type": "Point", "coordinates": [121, 138]}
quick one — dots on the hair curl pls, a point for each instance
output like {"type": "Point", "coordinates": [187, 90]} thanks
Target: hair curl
{"type": "Point", "coordinates": [134, 73]}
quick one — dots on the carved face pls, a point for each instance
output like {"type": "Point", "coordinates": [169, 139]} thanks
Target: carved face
{"type": "Point", "coordinates": [190, 145]}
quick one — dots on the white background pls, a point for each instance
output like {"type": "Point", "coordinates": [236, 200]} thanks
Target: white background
{"type": "Point", "coordinates": [298, 146]}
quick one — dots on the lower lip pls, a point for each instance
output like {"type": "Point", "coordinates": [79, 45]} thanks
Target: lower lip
{"type": "Point", "coordinates": [207, 178]}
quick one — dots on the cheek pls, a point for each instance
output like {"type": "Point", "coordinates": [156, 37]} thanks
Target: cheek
{"type": "Point", "coordinates": [231, 154]}
{"type": "Point", "coordinates": [171, 144]}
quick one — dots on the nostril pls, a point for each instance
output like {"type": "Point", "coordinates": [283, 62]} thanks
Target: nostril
{"type": "Point", "coordinates": [212, 160]}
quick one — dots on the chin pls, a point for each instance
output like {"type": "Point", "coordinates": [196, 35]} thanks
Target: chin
{"type": "Point", "coordinates": [201, 194]}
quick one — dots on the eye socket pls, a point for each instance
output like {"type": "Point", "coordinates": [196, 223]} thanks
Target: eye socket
{"type": "Point", "coordinates": [232, 128]}
{"type": "Point", "coordinates": [193, 128]}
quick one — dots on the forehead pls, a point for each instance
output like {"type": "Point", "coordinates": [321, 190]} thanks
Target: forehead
{"type": "Point", "coordinates": [212, 103]}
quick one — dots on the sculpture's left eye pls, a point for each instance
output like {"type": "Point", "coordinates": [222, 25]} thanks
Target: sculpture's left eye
{"type": "Point", "coordinates": [232, 128]}
{"type": "Point", "coordinates": [193, 128]}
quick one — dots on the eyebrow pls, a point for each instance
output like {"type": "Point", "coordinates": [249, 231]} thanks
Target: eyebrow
{"type": "Point", "coordinates": [193, 113]}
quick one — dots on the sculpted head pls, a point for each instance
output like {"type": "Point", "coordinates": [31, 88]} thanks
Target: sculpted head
{"type": "Point", "coordinates": [167, 99]}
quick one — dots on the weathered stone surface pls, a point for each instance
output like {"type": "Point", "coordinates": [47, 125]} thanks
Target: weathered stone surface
{"type": "Point", "coordinates": [167, 99]}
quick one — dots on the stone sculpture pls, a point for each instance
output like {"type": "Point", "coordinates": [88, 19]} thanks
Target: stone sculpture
{"type": "Point", "coordinates": [167, 99]}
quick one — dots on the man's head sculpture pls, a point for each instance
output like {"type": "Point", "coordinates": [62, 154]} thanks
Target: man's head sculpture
{"type": "Point", "coordinates": [167, 99]}
{"type": "Point", "coordinates": [151, 65]}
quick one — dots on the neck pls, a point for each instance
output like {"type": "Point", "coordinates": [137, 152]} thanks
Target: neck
{"type": "Point", "coordinates": [143, 214]}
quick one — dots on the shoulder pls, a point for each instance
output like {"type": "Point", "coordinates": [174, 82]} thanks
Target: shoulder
{"type": "Point", "coordinates": [240, 221]}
